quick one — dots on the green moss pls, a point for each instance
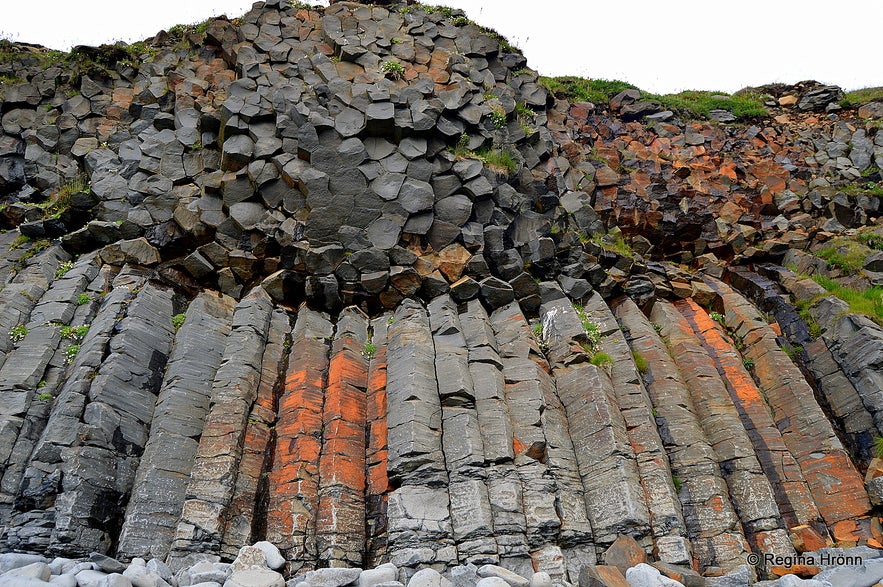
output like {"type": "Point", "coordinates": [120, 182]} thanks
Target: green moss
{"type": "Point", "coordinates": [676, 481]}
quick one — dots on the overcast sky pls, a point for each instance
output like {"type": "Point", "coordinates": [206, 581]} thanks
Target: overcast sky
{"type": "Point", "coordinates": [661, 46]}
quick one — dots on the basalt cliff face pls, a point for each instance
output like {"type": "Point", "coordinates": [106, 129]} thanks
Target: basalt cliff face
{"type": "Point", "coordinates": [353, 282]}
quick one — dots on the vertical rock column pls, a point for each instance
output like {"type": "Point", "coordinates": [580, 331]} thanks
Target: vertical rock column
{"type": "Point", "coordinates": [27, 387]}
{"type": "Point", "coordinates": [750, 490]}
{"type": "Point", "coordinates": [376, 450]}
{"type": "Point", "coordinates": [99, 470]}
{"type": "Point", "coordinates": [604, 458]}
{"type": "Point", "coordinates": [234, 390]}
{"type": "Point", "coordinates": [293, 483]}
{"type": "Point", "coordinates": [419, 516]}
{"type": "Point", "coordinates": [504, 485]}
{"type": "Point", "coordinates": [713, 525]}
{"type": "Point", "coordinates": [243, 514]}
{"type": "Point", "coordinates": [340, 527]}
{"type": "Point", "coordinates": [792, 494]}
{"type": "Point", "coordinates": [18, 298]}
{"type": "Point", "coordinates": [836, 486]}
{"type": "Point", "coordinates": [666, 521]}
{"type": "Point", "coordinates": [471, 518]}
{"type": "Point", "coordinates": [181, 408]}
{"type": "Point", "coordinates": [526, 399]}
{"type": "Point", "coordinates": [31, 528]}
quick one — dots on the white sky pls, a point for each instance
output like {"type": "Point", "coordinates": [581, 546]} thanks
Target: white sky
{"type": "Point", "coordinates": [660, 46]}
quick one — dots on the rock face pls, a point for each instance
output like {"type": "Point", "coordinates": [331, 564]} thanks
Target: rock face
{"type": "Point", "coordinates": [350, 284]}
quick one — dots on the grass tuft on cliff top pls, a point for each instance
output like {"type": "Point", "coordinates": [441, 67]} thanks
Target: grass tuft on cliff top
{"type": "Point", "coordinates": [693, 103]}
{"type": "Point", "coordinates": [860, 97]}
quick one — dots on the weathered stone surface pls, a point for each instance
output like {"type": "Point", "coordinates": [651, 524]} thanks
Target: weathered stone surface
{"type": "Point", "coordinates": [182, 406]}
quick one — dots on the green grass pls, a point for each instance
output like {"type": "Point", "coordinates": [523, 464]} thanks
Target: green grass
{"type": "Point", "coordinates": [868, 301]}
{"type": "Point", "coordinates": [878, 447]}
{"type": "Point", "coordinates": [697, 104]}
{"type": "Point", "coordinates": [538, 330]}
{"type": "Point", "coordinates": [871, 240]}
{"type": "Point", "coordinates": [497, 159]}
{"type": "Point", "coordinates": [579, 89]}
{"type": "Point", "coordinates": [869, 189]}
{"type": "Point", "coordinates": [640, 362]}
{"type": "Point", "coordinates": [812, 324]}
{"type": "Point", "coordinates": [846, 255]}
{"type": "Point", "coordinates": [692, 103]}
{"type": "Point", "coordinates": [602, 360]}
{"type": "Point", "coordinates": [614, 243]}
{"type": "Point", "coordinates": [857, 98]}
{"type": "Point", "coordinates": [369, 349]}
{"type": "Point", "coordinates": [19, 242]}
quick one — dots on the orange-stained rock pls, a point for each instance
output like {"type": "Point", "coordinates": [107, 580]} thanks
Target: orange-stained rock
{"type": "Point", "coordinates": [624, 553]}
{"type": "Point", "coordinates": [805, 571]}
{"type": "Point", "coordinates": [602, 576]}
{"type": "Point", "coordinates": [293, 482]}
{"type": "Point", "coordinates": [805, 538]}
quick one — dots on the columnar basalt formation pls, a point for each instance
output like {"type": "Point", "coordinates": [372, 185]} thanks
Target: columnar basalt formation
{"type": "Point", "coordinates": [352, 281]}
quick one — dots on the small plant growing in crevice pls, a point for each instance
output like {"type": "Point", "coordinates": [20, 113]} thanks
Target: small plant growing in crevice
{"type": "Point", "coordinates": [676, 481]}
{"type": "Point", "coordinates": [538, 330]}
{"type": "Point", "coordinates": [63, 268]}
{"type": "Point", "coordinates": [19, 241]}
{"type": "Point", "coordinates": [45, 397]}
{"type": "Point", "coordinates": [391, 321]}
{"type": "Point", "coordinates": [83, 299]}
{"type": "Point", "coordinates": [657, 328]}
{"type": "Point", "coordinates": [878, 447]}
{"type": "Point", "coordinates": [393, 69]}
{"type": "Point", "coordinates": [640, 362]}
{"type": "Point", "coordinates": [748, 363]}
{"type": "Point", "coordinates": [498, 117]}
{"type": "Point", "coordinates": [718, 317]}
{"type": "Point", "coordinates": [70, 353]}
{"type": "Point", "coordinates": [178, 320]}
{"type": "Point", "coordinates": [592, 329]}
{"type": "Point", "coordinates": [369, 349]}
{"type": "Point", "coordinates": [602, 360]}
{"type": "Point", "coordinates": [74, 333]}
{"type": "Point", "coordinates": [17, 333]}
